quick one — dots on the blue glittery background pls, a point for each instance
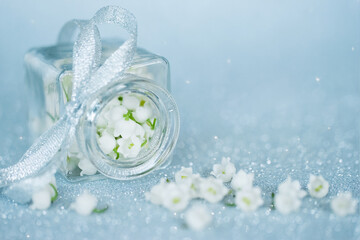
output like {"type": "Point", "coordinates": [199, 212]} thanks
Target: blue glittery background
{"type": "Point", "coordinates": [272, 84]}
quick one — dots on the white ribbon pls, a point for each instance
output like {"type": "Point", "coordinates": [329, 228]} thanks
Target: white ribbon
{"type": "Point", "coordinates": [89, 77]}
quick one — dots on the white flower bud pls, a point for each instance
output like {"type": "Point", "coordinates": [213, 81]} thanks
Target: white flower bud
{"type": "Point", "coordinates": [125, 128]}
{"type": "Point", "coordinates": [84, 204]}
{"type": "Point", "coordinates": [198, 217]}
{"type": "Point", "coordinates": [130, 102]}
{"type": "Point", "coordinates": [107, 143]}
{"type": "Point", "coordinates": [141, 114]}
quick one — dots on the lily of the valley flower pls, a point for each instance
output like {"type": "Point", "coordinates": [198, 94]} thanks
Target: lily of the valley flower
{"type": "Point", "coordinates": [129, 147]}
{"type": "Point", "coordinates": [191, 181]}
{"type": "Point", "coordinates": [107, 143]}
{"type": "Point", "coordinates": [198, 217]}
{"type": "Point", "coordinates": [318, 187]}
{"type": "Point", "coordinates": [126, 126]}
{"type": "Point", "coordinates": [292, 188]}
{"type": "Point", "coordinates": [157, 192]}
{"type": "Point", "coordinates": [173, 196]}
{"type": "Point", "coordinates": [183, 175]}
{"type": "Point", "coordinates": [84, 204]}
{"type": "Point", "coordinates": [43, 198]}
{"type": "Point", "coordinates": [87, 168]}
{"type": "Point", "coordinates": [249, 200]}
{"type": "Point", "coordinates": [212, 189]}
{"type": "Point", "coordinates": [344, 204]}
{"type": "Point", "coordinates": [130, 102]}
{"type": "Point", "coordinates": [288, 198]}
{"type": "Point", "coordinates": [176, 197]}
{"type": "Point", "coordinates": [116, 114]}
{"type": "Point", "coordinates": [142, 113]}
{"type": "Point", "coordinates": [224, 171]}
{"type": "Point", "coordinates": [242, 181]}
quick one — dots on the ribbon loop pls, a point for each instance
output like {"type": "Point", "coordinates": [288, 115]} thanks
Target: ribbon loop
{"type": "Point", "coordinates": [88, 78]}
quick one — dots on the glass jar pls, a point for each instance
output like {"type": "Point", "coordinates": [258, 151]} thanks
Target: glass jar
{"type": "Point", "coordinates": [103, 144]}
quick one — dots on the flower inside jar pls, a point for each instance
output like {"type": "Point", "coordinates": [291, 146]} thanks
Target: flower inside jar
{"type": "Point", "coordinates": [126, 125]}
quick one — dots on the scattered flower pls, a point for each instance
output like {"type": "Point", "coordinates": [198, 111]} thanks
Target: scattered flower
{"type": "Point", "coordinates": [289, 196]}
{"type": "Point", "coordinates": [183, 175]}
{"type": "Point", "coordinates": [292, 188]}
{"type": "Point", "coordinates": [157, 192]}
{"type": "Point", "coordinates": [191, 181]}
{"type": "Point", "coordinates": [84, 204]}
{"type": "Point", "coordinates": [242, 181]}
{"type": "Point", "coordinates": [224, 171]}
{"type": "Point", "coordinates": [198, 217]}
{"type": "Point", "coordinates": [286, 203]}
{"type": "Point", "coordinates": [212, 189]}
{"type": "Point", "coordinates": [249, 200]}
{"type": "Point", "coordinates": [43, 198]}
{"type": "Point", "coordinates": [318, 187]}
{"type": "Point", "coordinates": [343, 204]}
{"type": "Point", "coordinates": [176, 197]}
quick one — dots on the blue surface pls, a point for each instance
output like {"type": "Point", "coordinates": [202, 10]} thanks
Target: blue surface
{"type": "Point", "coordinates": [243, 71]}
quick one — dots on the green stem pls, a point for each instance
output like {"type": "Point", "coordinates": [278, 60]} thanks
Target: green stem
{"type": "Point", "coordinates": [272, 205]}
{"type": "Point", "coordinates": [101, 210]}
{"type": "Point", "coordinates": [56, 193]}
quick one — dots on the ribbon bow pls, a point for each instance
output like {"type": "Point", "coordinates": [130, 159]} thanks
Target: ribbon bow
{"type": "Point", "coordinates": [88, 78]}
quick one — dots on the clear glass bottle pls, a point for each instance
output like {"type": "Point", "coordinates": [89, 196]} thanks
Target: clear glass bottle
{"type": "Point", "coordinates": [146, 83]}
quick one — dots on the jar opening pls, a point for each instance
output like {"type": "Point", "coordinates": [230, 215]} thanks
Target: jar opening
{"type": "Point", "coordinates": [129, 128]}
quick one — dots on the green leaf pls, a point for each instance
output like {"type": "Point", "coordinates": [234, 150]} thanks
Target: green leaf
{"type": "Point", "coordinates": [101, 210]}
{"type": "Point", "coordinates": [142, 103]}
{"type": "Point", "coordinates": [144, 143]}
{"type": "Point", "coordinates": [56, 192]}
{"type": "Point", "coordinates": [120, 98]}
{"type": "Point", "coordinates": [230, 204]}
{"type": "Point", "coordinates": [151, 125]}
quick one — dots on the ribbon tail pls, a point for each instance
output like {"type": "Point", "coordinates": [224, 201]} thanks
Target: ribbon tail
{"type": "Point", "coordinates": [39, 156]}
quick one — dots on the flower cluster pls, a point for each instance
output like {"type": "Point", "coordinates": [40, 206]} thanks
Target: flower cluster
{"type": "Point", "coordinates": [126, 125]}
{"type": "Point", "coordinates": [248, 198]}
{"type": "Point", "coordinates": [176, 195]}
